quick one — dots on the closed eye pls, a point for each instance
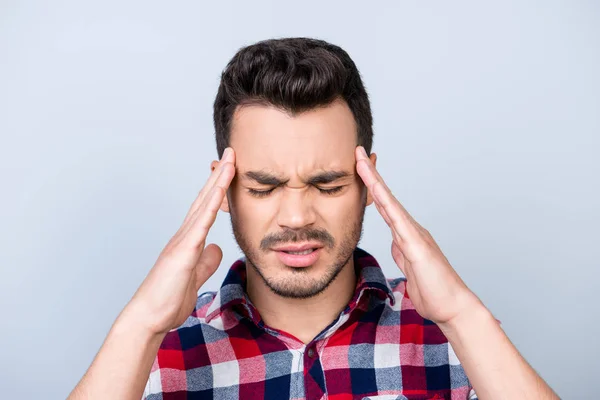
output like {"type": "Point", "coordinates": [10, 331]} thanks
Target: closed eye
{"type": "Point", "coordinates": [260, 193]}
{"type": "Point", "coordinates": [332, 190]}
{"type": "Point", "coordinates": [264, 193]}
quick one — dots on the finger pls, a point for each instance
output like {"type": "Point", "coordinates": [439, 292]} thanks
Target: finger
{"type": "Point", "coordinates": [395, 236]}
{"type": "Point", "coordinates": [223, 181]}
{"type": "Point", "coordinates": [207, 264]}
{"type": "Point", "coordinates": [369, 175]}
{"type": "Point", "coordinates": [228, 157]}
{"type": "Point", "coordinates": [395, 215]}
{"type": "Point", "coordinates": [207, 213]}
{"type": "Point", "coordinates": [381, 211]}
{"type": "Point", "coordinates": [399, 220]}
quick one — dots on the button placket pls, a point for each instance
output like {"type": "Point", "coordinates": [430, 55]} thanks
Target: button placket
{"type": "Point", "coordinates": [313, 372]}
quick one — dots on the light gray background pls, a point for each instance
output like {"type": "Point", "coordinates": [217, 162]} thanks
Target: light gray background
{"type": "Point", "coordinates": [486, 123]}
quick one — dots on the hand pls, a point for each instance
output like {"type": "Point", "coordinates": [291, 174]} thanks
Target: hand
{"type": "Point", "coordinates": [433, 286]}
{"type": "Point", "coordinates": [168, 295]}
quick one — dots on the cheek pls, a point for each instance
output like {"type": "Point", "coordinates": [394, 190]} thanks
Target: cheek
{"type": "Point", "coordinates": [340, 210]}
{"type": "Point", "coordinates": [251, 214]}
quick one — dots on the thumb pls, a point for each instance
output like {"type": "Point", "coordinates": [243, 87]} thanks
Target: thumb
{"type": "Point", "coordinates": [209, 261]}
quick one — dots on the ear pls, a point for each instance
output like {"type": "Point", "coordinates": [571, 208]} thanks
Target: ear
{"type": "Point", "coordinates": [373, 158]}
{"type": "Point", "coordinates": [225, 203]}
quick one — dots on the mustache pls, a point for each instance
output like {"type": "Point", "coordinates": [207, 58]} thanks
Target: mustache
{"type": "Point", "coordinates": [292, 236]}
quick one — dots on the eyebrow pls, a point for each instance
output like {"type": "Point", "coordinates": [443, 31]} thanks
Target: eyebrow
{"type": "Point", "coordinates": [266, 178]}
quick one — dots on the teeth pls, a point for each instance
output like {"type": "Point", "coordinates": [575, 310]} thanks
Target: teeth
{"type": "Point", "coordinates": [299, 253]}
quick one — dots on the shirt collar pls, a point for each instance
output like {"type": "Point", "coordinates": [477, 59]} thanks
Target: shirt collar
{"type": "Point", "coordinates": [370, 278]}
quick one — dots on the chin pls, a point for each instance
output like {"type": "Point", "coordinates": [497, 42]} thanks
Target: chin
{"type": "Point", "coordinates": [299, 282]}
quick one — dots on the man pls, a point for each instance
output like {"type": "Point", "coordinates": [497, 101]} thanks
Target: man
{"type": "Point", "coordinates": [306, 314]}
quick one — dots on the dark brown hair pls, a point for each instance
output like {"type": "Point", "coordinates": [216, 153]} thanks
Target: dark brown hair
{"type": "Point", "coordinates": [295, 75]}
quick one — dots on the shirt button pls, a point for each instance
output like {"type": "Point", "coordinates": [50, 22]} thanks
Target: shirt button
{"type": "Point", "coordinates": [311, 352]}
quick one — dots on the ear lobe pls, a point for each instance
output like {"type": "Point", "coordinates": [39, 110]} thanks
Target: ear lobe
{"type": "Point", "coordinates": [373, 158]}
{"type": "Point", "coordinates": [369, 198]}
{"type": "Point", "coordinates": [225, 204]}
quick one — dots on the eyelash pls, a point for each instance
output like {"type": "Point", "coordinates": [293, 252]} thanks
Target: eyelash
{"type": "Point", "coordinates": [264, 193]}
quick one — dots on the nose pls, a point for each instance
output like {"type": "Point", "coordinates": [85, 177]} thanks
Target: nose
{"type": "Point", "coordinates": [295, 208]}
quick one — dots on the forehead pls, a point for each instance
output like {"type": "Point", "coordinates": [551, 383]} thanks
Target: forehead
{"type": "Point", "coordinates": [265, 137]}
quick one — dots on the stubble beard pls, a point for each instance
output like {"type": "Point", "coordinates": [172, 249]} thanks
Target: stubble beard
{"type": "Point", "coordinates": [300, 285]}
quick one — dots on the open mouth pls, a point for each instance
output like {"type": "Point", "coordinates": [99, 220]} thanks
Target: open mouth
{"type": "Point", "coordinates": [299, 258]}
{"type": "Point", "coordinates": [300, 253]}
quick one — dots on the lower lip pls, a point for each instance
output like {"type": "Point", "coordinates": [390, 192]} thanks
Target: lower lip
{"type": "Point", "coordinates": [299, 260]}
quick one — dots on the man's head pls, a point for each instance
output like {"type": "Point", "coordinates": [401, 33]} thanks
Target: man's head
{"type": "Point", "coordinates": [294, 111]}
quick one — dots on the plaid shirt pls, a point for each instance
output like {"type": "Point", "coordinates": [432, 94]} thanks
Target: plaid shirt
{"type": "Point", "coordinates": [377, 348]}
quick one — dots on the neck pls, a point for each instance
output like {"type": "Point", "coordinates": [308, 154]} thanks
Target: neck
{"type": "Point", "coordinates": [302, 318]}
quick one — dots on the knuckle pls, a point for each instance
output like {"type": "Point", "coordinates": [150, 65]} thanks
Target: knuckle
{"type": "Point", "coordinates": [426, 233]}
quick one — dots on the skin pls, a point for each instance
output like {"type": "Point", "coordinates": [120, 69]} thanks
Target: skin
{"type": "Point", "coordinates": [303, 301]}
{"type": "Point", "coordinates": [167, 295]}
{"type": "Point", "coordinates": [492, 363]}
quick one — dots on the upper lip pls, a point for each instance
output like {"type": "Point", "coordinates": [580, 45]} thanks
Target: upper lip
{"type": "Point", "coordinates": [298, 246]}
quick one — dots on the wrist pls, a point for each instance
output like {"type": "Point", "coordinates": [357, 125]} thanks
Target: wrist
{"type": "Point", "coordinates": [471, 315]}
{"type": "Point", "coordinates": [127, 324]}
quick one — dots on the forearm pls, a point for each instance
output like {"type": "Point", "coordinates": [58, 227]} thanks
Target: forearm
{"type": "Point", "coordinates": [121, 368]}
{"type": "Point", "coordinates": [493, 365]}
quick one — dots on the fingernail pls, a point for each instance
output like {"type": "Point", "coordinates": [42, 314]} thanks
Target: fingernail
{"type": "Point", "coordinates": [226, 153]}
{"type": "Point", "coordinates": [364, 153]}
